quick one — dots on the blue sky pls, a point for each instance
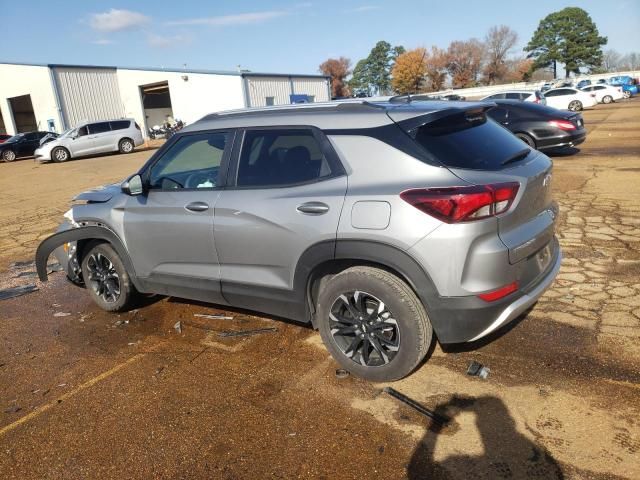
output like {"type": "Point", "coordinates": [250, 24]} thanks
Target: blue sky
{"type": "Point", "coordinates": [272, 36]}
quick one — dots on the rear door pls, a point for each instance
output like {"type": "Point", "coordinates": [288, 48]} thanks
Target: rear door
{"type": "Point", "coordinates": [558, 98]}
{"type": "Point", "coordinates": [286, 194]}
{"type": "Point", "coordinates": [100, 133]}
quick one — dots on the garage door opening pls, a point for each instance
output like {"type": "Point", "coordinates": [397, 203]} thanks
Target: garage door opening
{"type": "Point", "coordinates": [23, 116]}
{"type": "Point", "coordinates": [156, 103]}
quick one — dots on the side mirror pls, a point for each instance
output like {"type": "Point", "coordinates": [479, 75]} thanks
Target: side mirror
{"type": "Point", "coordinates": [133, 185]}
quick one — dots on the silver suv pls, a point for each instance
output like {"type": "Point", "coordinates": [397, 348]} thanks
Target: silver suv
{"type": "Point", "coordinates": [379, 223]}
{"type": "Point", "coordinates": [92, 138]}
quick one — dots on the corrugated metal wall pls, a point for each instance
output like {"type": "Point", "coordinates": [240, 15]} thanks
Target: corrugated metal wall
{"type": "Point", "coordinates": [88, 94]}
{"type": "Point", "coordinates": [280, 88]}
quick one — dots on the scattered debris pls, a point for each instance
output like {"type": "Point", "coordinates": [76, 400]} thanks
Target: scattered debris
{"type": "Point", "coordinates": [341, 373]}
{"type": "Point", "coordinates": [416, 406]}
{"type": "Point", "coordinates": [212, 317]}
{"type": "Point", "coordinates": [159, 370]}
{"type": "Point", "coordinates": [293, 434]}
{"type": "Point", "coordinates": [118, 323]}
{"type": "Point", "coordinates": [478, 370]}
{"type": "Point", "coordinates": [56, 305]}
{"type": "Point", "coordinates": [61, 314]}
{"type": "Point", "coordinates": [29, 273]}
{"type": "Point", "coordinates": [381, 449]}
{"type": "Point", "coordinates": [178, 326]}
{"type": "Point", "coordinates": [27, 263]}
{"type": "Point", "coordinates": [35, 391]}
{"type": "Point", "coordinates": [13, 409]}
{"type": "Point", "coordinates": [246, 333]}
{"type": "Point", "coordinates": [17, 291]}
{"type": "Point", "coordinates": [132, 343]}
{"type": "Point", "coordinates": [62, 385]}
{"type": "Point", "coordinates": [54, 267]}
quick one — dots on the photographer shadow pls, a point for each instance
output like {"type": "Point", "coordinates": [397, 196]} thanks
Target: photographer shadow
{"type": "Point", "coordinates": [507, 453]}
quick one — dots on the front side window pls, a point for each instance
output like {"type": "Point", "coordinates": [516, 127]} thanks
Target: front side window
{"type": "Point", "coordinates": [193, 161]}
{"type": "Point", "coordinates": [100, 127]}
{"type": "Point", "coordinates": [82, 131]}
{"type": "Point", "coordinates": [281, 157]}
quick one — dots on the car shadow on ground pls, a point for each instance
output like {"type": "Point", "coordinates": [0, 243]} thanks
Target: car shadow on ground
{"type": "Point", "coordinates": [563, 152]}
{"type": "Point", "coordinates": [506, 452]}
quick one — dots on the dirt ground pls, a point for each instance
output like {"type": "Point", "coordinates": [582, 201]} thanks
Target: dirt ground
{"type": "Point", "coordinates": [84, 394]}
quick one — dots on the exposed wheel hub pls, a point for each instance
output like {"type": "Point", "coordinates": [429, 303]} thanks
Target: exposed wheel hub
{"type": "Point", "coordinates": [364, 329]}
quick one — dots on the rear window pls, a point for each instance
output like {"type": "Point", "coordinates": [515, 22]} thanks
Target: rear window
{"type": "Point", "coordinates": [120, 125]}
{"type": "Point", "coordinates": [469, 141]}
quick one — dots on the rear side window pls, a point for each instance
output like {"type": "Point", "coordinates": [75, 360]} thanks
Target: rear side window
{"type": "Point", "coordinates": [281, 157]}
{"type": "Point", "coordinates": [120, 125]}
{"type": "Point", "coordinates": [515, 96]}
{"type": "Point", "coordinates": [100, 127]}
{"type": "Point", "coordinates": [469, 141]}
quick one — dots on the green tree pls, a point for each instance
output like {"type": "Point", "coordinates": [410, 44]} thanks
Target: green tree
{"type": "Point", "coordinates": [372, 75]}
{"type": "Point", "coordinates": [568, 36]}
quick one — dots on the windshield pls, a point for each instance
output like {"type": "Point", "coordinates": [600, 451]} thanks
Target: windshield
{"type": "Point", "coordinates": [15, 138]}
{"type": "Point", "coordinates": [66, 133]}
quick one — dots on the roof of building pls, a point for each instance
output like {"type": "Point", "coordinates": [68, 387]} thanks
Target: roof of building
{"type": "Point", "coordinates": [242, 73]}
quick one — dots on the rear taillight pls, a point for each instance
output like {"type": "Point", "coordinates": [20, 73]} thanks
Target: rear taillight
{"type": "Point", "coordinates": [463, 204]}
{"type": "Point", "coordinates": [562, 124]}
{"type": "Point", "coordinates": [499, 293]}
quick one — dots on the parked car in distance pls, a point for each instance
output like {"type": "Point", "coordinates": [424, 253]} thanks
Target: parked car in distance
{"type": "Point", "coordinates": [583, 83]}
{"type": "Point", "coordinates": [602, 80]}
{"type": "Point", "coordinates": [92, 138]}
{"type": "Point", "coordinates": [535, 96]}
{"type": "Point", "coordinates": [539, 126]}
{"type": "Point", "coordinates": [326, 213]}
{"type": "Point", "coordinates": [605, 93]}
{"type": "Point", "coordinates": [454, 97]}
{"type": "Point", "coordinates": [566, 98]}
{"type": "Point", "coordinates": [627, 83]}
{"type": "Point", "coordinates": [4, 137]}
{"type": "Point", "coordinates": [21, 145]}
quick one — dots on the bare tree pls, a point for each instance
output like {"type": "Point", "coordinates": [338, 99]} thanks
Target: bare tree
{"type": "Point", "coordinates": [498, 42]}
{"type": "Point", "coordinates": [611, 60]}
{"type": "Point", "coordinates": [464, 61]}
{"type": "Point", "coordinates": [338, 69]}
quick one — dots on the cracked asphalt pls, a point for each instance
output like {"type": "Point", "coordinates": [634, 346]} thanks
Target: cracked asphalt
{"type": "Point", "coordinates": [85, 394]}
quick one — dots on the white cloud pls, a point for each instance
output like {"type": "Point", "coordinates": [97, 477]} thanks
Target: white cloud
{"type": "Point", "coordinates": [115, 20]}
{"type": "Point", "coordinates": [363, 8]}
{"type": "Point", "coordinates": [102, 41]}
{"type": "Point", "coordinates": [167, 41]}
{"type": "Point", "coordinates": [232, 20]}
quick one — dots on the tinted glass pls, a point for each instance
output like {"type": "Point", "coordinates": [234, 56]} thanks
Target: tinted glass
{"type": "Point", "coordinates": [31, 136]}
{"type": "Point", "coordinates": [82, 131]}
{"type": "Point", "coordinates": [471, 142]}
{"type": "Point", "coordinates": [498, 114]}
{"type": "Point", "coordinates": [496, 96]}
{"type": "Point", "coordinates": [120, 125]}
{"type": "Point", "coordinates": [192, 162]}
{"type": "Point", "coordinates": [281, 157]}
{"type": "Point", "coordinates": [99, 127]}
{"type": "Point", "coordinates": [514, 96]}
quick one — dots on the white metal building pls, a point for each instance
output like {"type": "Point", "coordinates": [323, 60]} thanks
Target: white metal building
{"type": "Point", "coordinates": [57, 97]}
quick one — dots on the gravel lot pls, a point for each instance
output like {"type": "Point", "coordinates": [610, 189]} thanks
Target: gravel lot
{"type": "Point", "coordinates": [91, 395]}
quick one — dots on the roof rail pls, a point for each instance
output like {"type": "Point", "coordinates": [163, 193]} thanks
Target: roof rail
{"type": "Point", "coordinates": [404, 98]}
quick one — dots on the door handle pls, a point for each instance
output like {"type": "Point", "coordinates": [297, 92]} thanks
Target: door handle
{"type": "Point", "coordinates": [313, 208]}
{"type": "Point", "coordinates": [197, 207]}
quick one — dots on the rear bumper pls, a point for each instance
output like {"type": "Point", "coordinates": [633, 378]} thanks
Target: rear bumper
{"type": "Point", "coordinates": [466, 319]}
{"type": "Point", "coordinates": [564, 140]}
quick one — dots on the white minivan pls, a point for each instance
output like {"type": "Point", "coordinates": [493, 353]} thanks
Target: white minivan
{"type": "Point", "coordinates": [92, 138]}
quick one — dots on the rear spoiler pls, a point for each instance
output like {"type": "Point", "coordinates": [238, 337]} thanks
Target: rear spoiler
{"type": "Point", "coordinates": [411, 119]}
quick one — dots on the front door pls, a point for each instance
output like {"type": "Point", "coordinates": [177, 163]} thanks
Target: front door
{"type": "Point", "coordinates": [169, 230]}
{"type": "Point", "coordinates": [287, 195]}
{"type": "Point", "coordinates": [82, 143]}
{"type": "Point", "coordinates": [103, 139]}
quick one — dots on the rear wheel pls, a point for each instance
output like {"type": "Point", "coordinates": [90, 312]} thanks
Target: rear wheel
{"type": "Point", "coordinates": [8, 155]}
{"type": "Point", "coordinates": [528, 139]}
{"type": "Point", "coordinates": [126, 145]}
{"type": "Point", "coordinates": [106, 278]}
{"type": "Point", "coordinates": [60, 154]}
{"type": "Point", "coordinates": [607, 99]}
{"type": "Point", "coordinates": [373, 324]}
{"type": "Point", "coordinates": [575, 105]}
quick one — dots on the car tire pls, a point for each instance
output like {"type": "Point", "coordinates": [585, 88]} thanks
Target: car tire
{"type": "Point", "coordinates": [607, 99]}
{"type": "Point", "coordinates": [575, 105]}
{"type": "Point", "coordinates": [373, 324]}
{"type": "Point", "coordinates": [8, 156]}
{"type": "Point", "coordinates": [526, 138]}
{"type": "Point", "coordinates": [60, 154]}
{"type": "Point", "coordinates": [626, 94]}
{"type": "Point", "coordinates": [126, 145]}
{"type": "Point", "coordinates": [106, 278]}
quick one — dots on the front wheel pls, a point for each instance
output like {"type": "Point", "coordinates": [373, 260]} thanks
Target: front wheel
{"type": "Point", "coordinates": [575, 105]}
{"type": "Point", "coordinates": [107, 279]}
{"type": "Point", "coordinates": [626, 94]}
{"type": "Point", "coordinates": [373, 324]}
{"type": "Point", "coordinates": [607, 99]}
{"type": "Point", "coordinates": [60, 154]}
{"type": "Point", "coordinates": [8, 155]}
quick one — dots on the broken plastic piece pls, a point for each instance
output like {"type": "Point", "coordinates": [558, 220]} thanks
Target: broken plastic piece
{"type": "Point", "coordinates": [476, 369]}
{"type": "Point", "coordinates": [341, 373]}
{"type": "Point", "coordinates": [17, 291]}
{"type": "Point", "coordinates": [178, 326]}
{"type": "Point", "coordinates": [245, 333]}
{"type": "Point", "coordinates": [416, 406]}
{"type": "Point", "coordinates": [213, 317]}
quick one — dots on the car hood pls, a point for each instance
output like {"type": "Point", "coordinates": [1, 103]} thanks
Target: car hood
{"type": "Point", "coordinates": [99, 194]}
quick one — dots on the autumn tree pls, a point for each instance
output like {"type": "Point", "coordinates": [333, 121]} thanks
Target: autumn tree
{"type": "Point", "coordinates": [338, 69]}
{"type": "Point", "coordinates": [373, 74]}
{"type": "Point", "coordinates": [498, 42]}
{"type": "Point", "coordinates": [436, 65]}
{"type": "Point", "coordinates": [568, 36]}
{"type": "Point", "coordinates": [518, 70]}
{"type": "Point", "coordinates": [464, 62]}
{"type": "Point", "coordinates": [409, 71]}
